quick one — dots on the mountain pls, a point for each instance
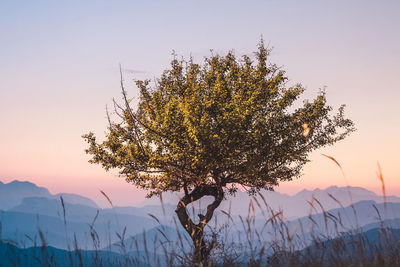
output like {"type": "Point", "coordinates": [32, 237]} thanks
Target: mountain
{"type": "Point", "coordinates": [361, 214]}
{"type": "Point", "coordinates": [53, 207]}
{"type": "Point", "coordinates": [48, 215]}
{"type": "Point", "coordinates": [389, 223]}
{"type": "Point", "coordinates": [11, 255]}
{"type": "Point", "coordinates": [368, 248]}
{"type": "Point", "coordinates": [297, 205]}
{"type": "Point", "coordinates": [293, 206]}
{"type": "Point", "coordinates": [259, 229]}
{"type": "Point", "coordinates": [76, 199]}
{"type": "Point", "coordinates": [359, 217]}
{"type": "Point", "coordinates": [137, 218]}
{"type": "Point", "coordinates": [13, 193]}
{"type": "Point", "coordinates": [155, 239]}
{"type": "Point", "coordinates": [23, 227]}
{"type": "Point", "coordinates": [375, 247]}
{"type": "Point", "coordinates": [30, 207]}
{"type": "Point", "coordinates": [162, 213]}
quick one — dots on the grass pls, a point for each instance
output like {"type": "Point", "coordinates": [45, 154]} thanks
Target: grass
{"type": "Point", "coordinates": [241, 242]}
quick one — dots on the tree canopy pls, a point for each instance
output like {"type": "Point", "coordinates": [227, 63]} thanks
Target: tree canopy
{"type": "Point", "coordinates": [209, 127]}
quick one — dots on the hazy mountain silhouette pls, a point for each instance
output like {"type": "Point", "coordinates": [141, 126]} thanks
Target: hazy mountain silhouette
{"type": "Point", "coordinates": [53, 207]}
{"type": "Point", "coordinates": [12, 194]}
{"type": "Point", "coordinates": [11, 255]}
{"type": "Point", "coordinates": [293, 206]}
{"type": "Point", "coordinates": [76, 199]}
{"type": "Point", "coordinates": [161, 212]}
{"type": "Point", "coordinates": [29, 208]}
{"type": "Point", "coordinates": [365, 214]}
{"type": "Point", "coordinates": [23, 229]}
{"type": "Point", "coordinates": [349, 247]}
{"type": "Point", "coordinates": [48, 215]}
{"type": "Point", "coordinates": [359, 217]}
{"type": "Point", "coordinates": [154, 239]}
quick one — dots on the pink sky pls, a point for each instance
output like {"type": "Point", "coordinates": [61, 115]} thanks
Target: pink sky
{"type": "Point", "coordinates": [60, 68]}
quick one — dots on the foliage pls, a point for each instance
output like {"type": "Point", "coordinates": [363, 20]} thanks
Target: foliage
{"type": "Point", "coordinates": [211, 127]}
{"type": "Point", "coordinates": [227, 121]}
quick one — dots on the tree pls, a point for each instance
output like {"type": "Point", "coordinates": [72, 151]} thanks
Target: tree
{"type": "Point", "coordinates": [206, 129]}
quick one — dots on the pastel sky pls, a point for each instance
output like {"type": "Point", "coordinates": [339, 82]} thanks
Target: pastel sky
{"type": "Point", "coordinates": [59, 69]}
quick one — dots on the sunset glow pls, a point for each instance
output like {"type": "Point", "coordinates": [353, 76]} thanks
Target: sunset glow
{"type": "Point", "coordinates": [60, 68]}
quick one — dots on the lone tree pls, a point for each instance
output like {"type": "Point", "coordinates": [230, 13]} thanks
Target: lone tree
{"type": "Point", "coordinates": [206, 128]}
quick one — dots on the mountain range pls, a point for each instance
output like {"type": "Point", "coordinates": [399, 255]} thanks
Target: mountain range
{"type": "Point", "coordinates": [293, 206]}
{"type": "Point", "coordinates": [26, 210]}
{"type": "Point", "coordinates": [11, 255]}
{"type": "Point", "coordinates": [13, 193]}
{"type": "Point", "coordinates": [349, 249]}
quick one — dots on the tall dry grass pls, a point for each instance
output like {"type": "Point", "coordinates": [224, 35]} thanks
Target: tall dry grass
{"type": "Point", "coordinates": [236, 242]}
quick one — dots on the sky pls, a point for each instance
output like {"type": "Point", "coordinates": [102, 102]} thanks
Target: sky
{"type": "Point", "coordinates": [59, 69]}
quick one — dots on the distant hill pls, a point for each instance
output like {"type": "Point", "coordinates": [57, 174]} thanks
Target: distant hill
{"type": "Point", "coordinates": [27, 208]}
{"type": "Point", "coordinates": [359, 249]}
{"type": "Point", "coordinates": [297, 205]}
{"type": "Point", "coordinates": [11, 255]}
{"type": "Point", "coordinates": [12, 194]}
{"type": "Point", "coordinates": [48, 215]}
{"type": "Point", "coordinates": [364, 215]}
{"type": "Point", "coordinates": [154, 239]}
{"type": "Point", "coordinates": [23, 230]}
{"type": "Point", "coordinates": [53, 207]}
{"type": "Point", "coordinates": [162, 213]}
{"type": "Point", "coordinates": [293, 206]}
{"type": "Point", "coordinates": [361, 216]}
{"type": "Point", "coordinates": [348, 250]}
{"type": "Point", "coordinates": [76, 199]}
{"type": "Point", "coordinates": [376, 247]}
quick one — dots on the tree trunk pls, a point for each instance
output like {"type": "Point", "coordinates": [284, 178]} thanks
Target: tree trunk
{"type": "Point", "coordinates": [196, 231]}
